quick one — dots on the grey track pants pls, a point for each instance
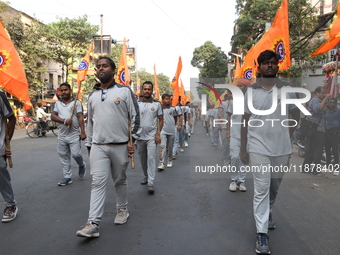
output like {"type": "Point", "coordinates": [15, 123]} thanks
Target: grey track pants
{"type": "Point", "coordinates": [167, 144]}
{"type": "Point", "coordinates": [106, 159]}
{"type": "Point", "coordinates": [266, 187]}
{"type": "Point", "coordinates": [67, 147]}
{"type": "Point", "coordinates": [5, 183]}
{"type": "Point", "coordinates": [147, 156]}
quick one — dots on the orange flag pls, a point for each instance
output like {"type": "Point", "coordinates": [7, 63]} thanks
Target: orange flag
{"type": "Point", "coordinates": [333, 36]}
{"type": "Point", "coordinates": [335, 27]}
{"type": "Point", "coordinates": [158, 95]}
{"type": "Point", "coordinates": [327, 46]}
{"type": "Point", "coordinates": [174, 83]}
{"type": "Point", "coordinates": [248, 67]}
{"type": "Point", "coordinates": [277, 37]}
{"type": "Point", "coordinates": [182, 93]}
{"type": "Point", "coordinates": [123, 74]}
{"type": "Point", "coordinates": [82, 69]}
{"type": "Point", "coordinates": [238, 70]}
{"type": "Point", "coordinates": [12, 74]}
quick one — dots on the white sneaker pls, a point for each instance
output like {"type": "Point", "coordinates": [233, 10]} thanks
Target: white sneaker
{"type": "Point", "coordinates": [161, 166]}
{"type": "Point", "coordinates": [121, 216]}
{"type": "Point", "coordinates": [336, 173]}
{"type": "Point", "coordinates": [233, 186]}
{"type": "Point", "coordinates": [90, 230]}
{"type": "Point", "coordinates": [169, 164]}
{"type": "Point", "coordinates": [186, 144]}
{"type": "Point", "coordinates": [181, 150]}
{"type": "Point", "coordinates": [242, 187]}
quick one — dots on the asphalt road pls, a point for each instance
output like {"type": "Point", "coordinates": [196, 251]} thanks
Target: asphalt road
{"type": "Point", "coordinates": [190, 213]}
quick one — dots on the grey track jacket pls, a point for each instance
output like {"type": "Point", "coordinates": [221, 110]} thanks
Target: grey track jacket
{"type": "Point", "coordinates": [107, 117]}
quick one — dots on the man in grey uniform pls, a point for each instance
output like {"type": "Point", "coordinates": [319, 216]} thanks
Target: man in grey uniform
{"type": "Point", "coordinates": [6, 113]}
{"type": "Point", "coordinates": [170, 115]}
{"type": "Point", "coordinates": [69, 137]}
{"type": "Point", "coordinates": [238, 177]}
{"type": "Point", "coordinates": [110, 107]}
{"type": "Point", "coordinates": [151, 112]}
{"type": "Point", "coordinates": [269, 145]}
{"type": "Point", "coordinates": [214, 132]}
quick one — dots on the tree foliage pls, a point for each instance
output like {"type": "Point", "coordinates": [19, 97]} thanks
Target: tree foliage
{"type": "Point", "coordinates": [68, 38]}
{"type": "Point", "coordinates": [211, 61]}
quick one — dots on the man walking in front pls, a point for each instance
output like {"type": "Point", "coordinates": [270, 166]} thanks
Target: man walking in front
{"type": "Point", "coordinates": [151, 113]}
{"type": "Point", "coordinates": [6, 113]}
{"type": "Point", "coordinates": [71, 132]}
{"type": "Point", "coordinates": [110, 107]}
{"type": "Point", "coordinates": [268, 146]}
{"type": "Point", "coordinates": [168, 131]}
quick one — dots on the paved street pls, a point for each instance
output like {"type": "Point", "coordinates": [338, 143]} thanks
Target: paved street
{"type": "Point", "coordinates": [189, 213]}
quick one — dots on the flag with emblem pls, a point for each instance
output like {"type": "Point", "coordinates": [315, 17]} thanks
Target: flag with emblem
{"type": "Point", "coordinates": [276, 38]}
{"type": "Point", "coordinates": [82, 69]}
{"type": "Point", "coordinates": [158, 95]}
{"type": "Point", "coordinates": [123, 74]}
{"type": "Point", "coordinates": [12, 74]}
{"type": "Point", "coordinates": [174, 82]}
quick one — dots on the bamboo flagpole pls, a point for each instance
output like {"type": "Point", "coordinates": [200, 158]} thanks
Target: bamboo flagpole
{"type": "Point", "coordinates": [8, 146]}
{"type": "Point", "coordinates": [131, 144]}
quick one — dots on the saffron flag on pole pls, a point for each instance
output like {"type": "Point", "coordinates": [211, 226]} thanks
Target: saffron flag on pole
{"type": "Point", "coordinates": [12, 74]}
{"type": "Point", "coordinates": [276, 38]}
{"type": "Point", "coordinates": [182, 93]}
{"type": "Point", "coordinates": [123, 74]}
{"type": "Point", "coordinates": [334, 36]}
{"type": "Point", "coordinates": [238, 70]}
{"type": "Point", "coordinates": [82, 69]}
{"type": "Point", "coordinates": [174, 82]}
{"type": "Point", "coordinates": [158, 95]}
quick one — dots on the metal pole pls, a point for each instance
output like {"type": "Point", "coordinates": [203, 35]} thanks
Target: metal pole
{"type": "Point", "coordinates": [101, 34]}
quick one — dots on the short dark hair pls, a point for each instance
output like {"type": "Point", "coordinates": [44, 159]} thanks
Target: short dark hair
{"type": "Point", "coordinates": [39, 104]}
{"type": "Point", "coordinates": [147, 82]}
{"type": "Point", "coordinates": [65, 84]}
{"type": "Point", "coordinates": [111, 62]}
{"type": "Point", "coordinates": [165, 95]}
{"type": "Point", "coordinates": [188, 102]}
{"type": "Point", "coordinates": [266, 55]}
{"type": "Point", "coordinates": [318, 89]}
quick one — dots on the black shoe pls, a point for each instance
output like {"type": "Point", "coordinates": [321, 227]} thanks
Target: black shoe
{"type": "Point", "coordinates": [151, 190]}
{"type": "Point", "coordinates": [65, 181]}
{"type": "Point", "coordinates": [262, 244]}
{"type": "Point", "coordinates": [144, 181]}
{"type": "Point", "coordinates": [82, 171]}
{"type": "Point", "coordinates": [271, 222]}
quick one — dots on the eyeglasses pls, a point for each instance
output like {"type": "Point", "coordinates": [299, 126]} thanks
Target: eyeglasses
{"type": "Point", "coordinates": [104, 94]}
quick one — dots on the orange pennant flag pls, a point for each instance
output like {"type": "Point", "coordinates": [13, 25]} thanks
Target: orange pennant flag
{"type": "Point", "coordinates": [182, 93]}
{"type": "Point", "coordinates": [332, 36]}
{"type": "Point", "coordinates": [158, 95]}
{"type": "Point", "coordinates": [335, 27]}
{"type": "Point", "coordinates": [82, 69]}
{"type": "Point", "coordinates": [12, 74]}
{"type": "Point", "coordinates": [123, 73]}
{"type": "Point", "coordinates": [276, 38]}
{"type": "Point", "coordinates": [174, 83]}
{"type": "Point", "coordinates": [238, 70]}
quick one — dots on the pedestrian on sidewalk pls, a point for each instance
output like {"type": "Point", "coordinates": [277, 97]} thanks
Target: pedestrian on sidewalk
{"type": "Point", "coordinates": [7, 120]}
{"type": "Point", "coordinates": [151, 112]}
{"type": "Point", "coordinates": [238, 177]}
{"type": "Point", "coordinates": [110, 106]}
{"type": "Point", "coordinates": [188, 125]}
{"type": "Point", "coordinates": [332, 135]}
{"type": "Point", "coordinates": [214, 132]}
{"type": "Point", "coordinates": [168, 131]}
{"type": "Point", "coordinates": [71, 133]}
{"type": "Point", "coordinates": [268, 145]}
